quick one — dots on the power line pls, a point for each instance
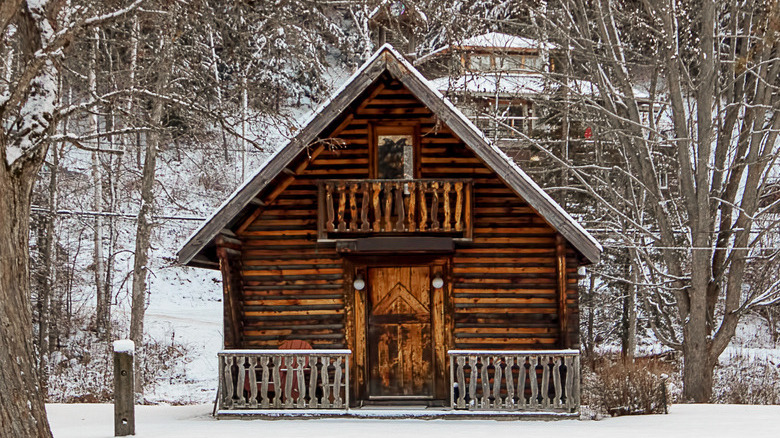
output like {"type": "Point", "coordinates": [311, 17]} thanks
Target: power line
{"type": "Point", "coordinates": [39, 209]}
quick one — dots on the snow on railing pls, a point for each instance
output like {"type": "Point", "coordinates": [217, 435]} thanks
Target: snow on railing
{"type": "Point", "coordinates": [515, 380]}
{"type": "Point", "coordinates": [284, 379]}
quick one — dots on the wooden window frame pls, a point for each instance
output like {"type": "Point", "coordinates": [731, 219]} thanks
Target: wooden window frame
{"type": "Point", "coordinates": [401, 128]}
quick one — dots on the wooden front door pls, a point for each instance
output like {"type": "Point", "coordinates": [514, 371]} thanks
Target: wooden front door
{"type": "Point", "coordinates": [400, 354]}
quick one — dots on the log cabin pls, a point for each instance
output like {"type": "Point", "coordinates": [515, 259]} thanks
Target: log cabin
{"type": "Point", "coordinates": [390, 254]}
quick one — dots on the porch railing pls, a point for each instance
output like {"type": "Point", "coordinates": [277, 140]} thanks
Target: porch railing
{"type": "Point", "coordinates": [515, 380]}
{"type": "Point", "coordinates": [283, 379]}
{"type": "Point", "coordinates": [368, 206]}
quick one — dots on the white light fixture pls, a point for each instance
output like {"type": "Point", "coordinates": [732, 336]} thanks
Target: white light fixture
{"type": "Point", "coordinates": [437, 282]}
{"type": "Point", "coordinates": [359, 283]}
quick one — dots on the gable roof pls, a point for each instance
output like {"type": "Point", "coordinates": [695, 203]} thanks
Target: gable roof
{"type": "Point", "coordinates": [387, 59]}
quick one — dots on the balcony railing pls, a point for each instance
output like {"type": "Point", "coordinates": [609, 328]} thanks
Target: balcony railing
{"type": "Point", "coordinates": [369, 206]}
{"type": "Point", "coordinates": [283, 379]}
{"type": "Point", "coordinates": [515, 380]}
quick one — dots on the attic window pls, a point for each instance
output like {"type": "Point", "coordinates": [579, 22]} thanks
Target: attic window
{"type": "Point", "coordinates": [395, 156]}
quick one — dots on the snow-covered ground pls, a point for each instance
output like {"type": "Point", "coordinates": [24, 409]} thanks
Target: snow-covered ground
{"type": "Point", "coordinates": [689, 421]}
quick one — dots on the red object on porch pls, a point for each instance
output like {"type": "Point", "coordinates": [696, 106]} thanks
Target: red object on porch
{"type": "Point", "coordinates": [588, 132]}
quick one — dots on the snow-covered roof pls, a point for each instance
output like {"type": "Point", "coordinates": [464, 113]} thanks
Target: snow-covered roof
{"type": "Point", "coordinates": [490, 41]}
{"type": "Point", "coordinates": [521, 84]}
{"type": "Point", "coordinates": [516, 84]}
{"type": "Point", "coordinates": [388, 60]}
{"type": "Point", "coordinates": [497, 40]}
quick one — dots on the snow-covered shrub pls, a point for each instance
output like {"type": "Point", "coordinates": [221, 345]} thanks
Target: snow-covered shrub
{"type": "Point", "coordinates": [745, 378]}
{"type": "Point", "coordinates": [617, 387]}
{"type": "Point", "coordinates": [83, 370]}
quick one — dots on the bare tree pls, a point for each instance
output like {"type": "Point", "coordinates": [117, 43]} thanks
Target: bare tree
{"type": "Point", "coordinates": [709, 116]}
{"type": "Point", "coordinates": [40, 31]}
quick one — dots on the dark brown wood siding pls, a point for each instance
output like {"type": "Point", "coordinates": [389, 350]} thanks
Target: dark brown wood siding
{"type": "Point", "coordinates": [503, 283]}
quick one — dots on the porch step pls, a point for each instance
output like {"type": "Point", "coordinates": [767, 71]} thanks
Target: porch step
{"type": "Point", "coordinates": [394, 412]}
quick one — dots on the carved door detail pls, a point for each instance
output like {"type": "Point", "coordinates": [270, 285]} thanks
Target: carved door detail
{"type": "Point", "coordinates": [400, 353]}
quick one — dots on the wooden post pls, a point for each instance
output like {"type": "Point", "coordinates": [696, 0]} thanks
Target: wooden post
{"type": "Point", "coordinates": [563, 314]}
{"type": "Point", "coordinates": [124, 403]}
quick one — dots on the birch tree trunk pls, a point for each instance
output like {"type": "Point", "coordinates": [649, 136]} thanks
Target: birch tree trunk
{"type": "Point", "coordinates": [144, 222]}
{"type": "Point", "coordinates": [102, 319]}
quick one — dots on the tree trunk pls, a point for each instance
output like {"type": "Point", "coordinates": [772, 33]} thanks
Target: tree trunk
{"type": "Point", "coordinates": [102, 311]}
{"type": "Point", "coordinates": [48, 258]}
{"type": "Point", "coordinates": [22, 411]}
{"type": "Point", "coordinates": [697, 372]}
{"type": "Point", "coordinates": [144, 224]}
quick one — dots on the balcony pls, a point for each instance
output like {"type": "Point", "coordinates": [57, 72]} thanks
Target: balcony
{"type": "Point", "coordinates": [369, 207]}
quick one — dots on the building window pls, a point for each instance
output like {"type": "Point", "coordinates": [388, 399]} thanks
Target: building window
{"type": "Point", "coordinates": [480, 63]}
{"type": "Point", "coordinates": [395, 156]}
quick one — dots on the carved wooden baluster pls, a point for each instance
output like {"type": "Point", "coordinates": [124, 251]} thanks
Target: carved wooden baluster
{"type": "Point", "coordinates": [473, 381]}
{"type": "Point", "coordinates": [353, 207]}
{"type": "Point", "coordinates": [410, 212]}
{"type": "Point", "coordinates": [388, 206]}
{"type": "Point", "coordinates": [277, 383]}
{"type": "Point", "coordinates": [458, 206]}
{"type": "Point", "coordinates": [545, 389]}
{"type": "Point", "coordinates": [337, 384]}
{"type": "Point", "coordinates": [301, 382]}
{"type": "Point", "coordinates": [461, 382]}
{"type": "Point", "coordinates": [521, 382]}
{"type": "Point", "coordinates": [569, 381]}
{"type": "Point", "coordinates": [556, 372]}
{"type": "Point", "coordinates": [485, 384]}
{"type": "Point", "coordinates": [313, 381]}
{"type": "Point", "coordinates": [288, 379]}
{"type": "Point", "coordinates": [342, 188]}
{"type": "Point", "coordinates": [364, 224]}
{"type": "Point", "coordinates": [423, 207]}
{"type": "Point", "coordinates": [510, 386]}
{"type": "Point", "coordinates": [447, 212]}
{"type": "Point", "coordinates": [329, 207]}
{"type": "Point", "coordinates": [229, 388]}
{"type": "Point", "coordinates": [264, 382]}
{"type": "Point", "coordinates": [399, 206]}
{"type": "Point", "coordinates": [435, 206]}
{"type": "Point", "coordinates": [253, 382]}
{"type": "Point", "coordinates": [240, 385]}
{"type": "Point", "coordinates": [534, 402]}
{"type": "Point", "coordinates": [498, 402]}
{"type": "Point", "coordinates": [376, 189]}
{"type": "Point", "coordinates": [325, 382]}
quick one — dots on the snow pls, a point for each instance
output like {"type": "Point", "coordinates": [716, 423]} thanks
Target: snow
{"type": "Point", "coordinates": [492, 40]}
{"type": "Point", "coordinates": [503, 40]}
{"type": "Point", "coordinates": [684, 421]}
{"type": "Point", "coordinates": [124, 346]}
{"type": "Point", "coordinates": [490, 83]}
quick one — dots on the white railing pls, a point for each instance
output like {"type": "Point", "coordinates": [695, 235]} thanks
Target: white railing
{"type": "Point", "coordinates": [284, 379]}
{"type": "Point", "coordinates": [515, 380]}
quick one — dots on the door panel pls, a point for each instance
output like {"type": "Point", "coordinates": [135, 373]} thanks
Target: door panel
{"type": "Point", "coordinates": [400, 353]}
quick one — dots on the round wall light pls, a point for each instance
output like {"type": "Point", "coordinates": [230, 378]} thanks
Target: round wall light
{"type": "Point", "coordinates": [437, 282]}
{"type": "Point", "coordinates": [359, 283]}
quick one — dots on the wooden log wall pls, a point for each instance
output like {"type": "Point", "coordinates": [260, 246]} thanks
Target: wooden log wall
{"type": "Point", "coordinates": [503, 284]}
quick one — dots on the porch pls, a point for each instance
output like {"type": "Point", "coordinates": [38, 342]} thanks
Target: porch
{"type": "Point", "coordinates": [494, 384]}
